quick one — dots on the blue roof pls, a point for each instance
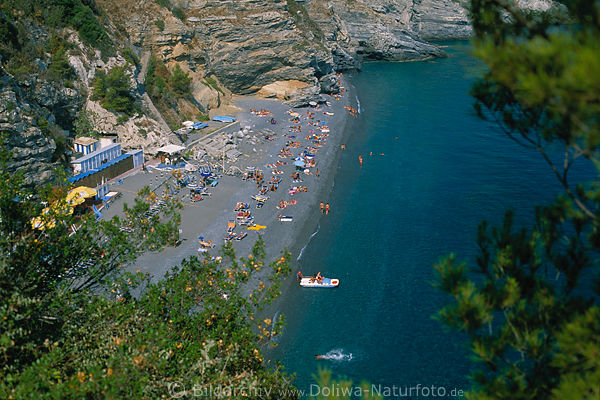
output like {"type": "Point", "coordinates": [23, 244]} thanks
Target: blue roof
{"type": "Point", "coordinates": [82, 175]}
{"type": "Point", "coordinates": [200, 125]}
{"type": "Point", "coordinates": [222, 118]}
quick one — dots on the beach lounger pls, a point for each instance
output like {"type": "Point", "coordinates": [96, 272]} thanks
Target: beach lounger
{"type": "Point", "coordinates": [206, 244]}
{"type": "Point", "coordinates": [240, 236]}
{"type": "Point", "coordinates": [230, 226]}
{"type": "Point", "coordinates": [214, 183]}
{"type": "Point", "coordinates": [246, 221]}
{"type": "Point", "coordinates": [229, 236]}
{"type": "Point", "coordinates": [241, 206]}
{"type": "Point", "coordinates": [285, 218]}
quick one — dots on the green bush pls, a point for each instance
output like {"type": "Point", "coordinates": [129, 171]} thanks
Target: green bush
{"type": "Point", "coordinates": [83, 125]}
{"type": "Point", "coordinates": [8, 36]}
{"type": "Point", "coordinates": [178, 13]}
{"type": "Point", "coordinates": [130, 56]}
{"type": "Point", "coordinates": [59, 68]}
{"type": "Point", "coordinates": [160, 24]}
{"type": "Point", "coordinates": [164, 3]}
{"type": "Point", "coordinates": [213, 84]}
{"type": "Point", "coordinates": [114, 91]}
{"type": "Point", "coordinates": [73, 332]}
{"type": "Point", "coordinates": [79, 14]}
{"type": "Point", "coordinates": [180, 82]}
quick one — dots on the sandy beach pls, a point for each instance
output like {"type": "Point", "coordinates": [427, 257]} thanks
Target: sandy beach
{"type": "Point", "coordinates": [208, 218]}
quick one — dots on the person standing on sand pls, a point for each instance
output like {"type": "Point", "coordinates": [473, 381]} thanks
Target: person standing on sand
{"type": "Point", "coordinates": [322, 208]}
{"type": "Point", "coordinates": [317, 172]}
{"type": "Point", "coordinates": [327, 209]}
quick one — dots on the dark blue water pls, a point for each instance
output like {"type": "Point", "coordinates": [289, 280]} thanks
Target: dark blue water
{"type": "Point", "coordinates": [442, 171]}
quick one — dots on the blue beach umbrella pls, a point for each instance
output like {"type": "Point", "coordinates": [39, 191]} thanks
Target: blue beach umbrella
{"type": "Point", "coordinates": [299, 163]}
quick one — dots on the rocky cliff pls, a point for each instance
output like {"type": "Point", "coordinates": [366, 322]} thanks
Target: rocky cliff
{"type": "Point", "coordinates": [34, 116]}
{"type": "Point", "coordinates": [247, 44]}
{"type": "Point", "coordinates": [285, 48]}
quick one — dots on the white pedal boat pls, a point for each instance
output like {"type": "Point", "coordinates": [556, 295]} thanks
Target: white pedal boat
{"type": "Point", "coordinates": [325, 283]}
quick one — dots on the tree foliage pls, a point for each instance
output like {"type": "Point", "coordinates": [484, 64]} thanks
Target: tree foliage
{"type": "Point", "coordinates": [114, 90]}
{"type": "Point", "coordinates": [83, 16]}
{"type": "Point", "coordinates": [74, 324]}
{"type": "Point", "coordinates": [530, 305]}
{"type": "Point", "coordinates": [165, 88]}
{"type": "Point", "coordinates": [180, 82]}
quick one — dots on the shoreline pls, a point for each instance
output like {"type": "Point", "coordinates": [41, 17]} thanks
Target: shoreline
{"type": "Point", "coordinates": [209, 217]}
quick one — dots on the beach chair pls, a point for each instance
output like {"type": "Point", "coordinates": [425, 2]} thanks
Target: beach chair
{"type": "Point", "coordinates": [247, 221]}
{"type": "Point", "coordinates": [241, 206]}
{"type": "Point", "coordinates": [230, 226]}
{"type": "Point", "coordinates": [97, 213]}
{"type": "Point", "coordinates": [229, 236]}
{"type": "Point", "coordinates": [205, 244]}
{"type": "Point", "coordinates": [240, 236]}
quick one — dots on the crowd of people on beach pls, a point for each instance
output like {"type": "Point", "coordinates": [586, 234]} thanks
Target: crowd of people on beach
{"type": "Point", "coordinates": [298, 155]}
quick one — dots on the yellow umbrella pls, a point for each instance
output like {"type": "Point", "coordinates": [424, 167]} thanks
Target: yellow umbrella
{"type": "Point", "coordinates": [38, 223]}
{"type": "Point", "coordinates": [79, 194]}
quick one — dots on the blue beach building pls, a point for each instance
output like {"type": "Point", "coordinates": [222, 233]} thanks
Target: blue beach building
{"type": "Point", "coordinates": [85, 145]}
{"type": "Point", "coordinates": [96, 158]}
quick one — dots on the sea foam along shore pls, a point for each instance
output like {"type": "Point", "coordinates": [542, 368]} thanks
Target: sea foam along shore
{"type": "Point", "coordinates": [208, 218]}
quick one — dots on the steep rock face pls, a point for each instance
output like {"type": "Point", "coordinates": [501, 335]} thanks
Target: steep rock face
{"type": "Point", "coordinates": [371, 29]}
{"type": "Point", "coordinates": [247, 44]}
{"type": "Point", "coordinates": [31, 112]}
{"type": "Point", "coordinates": [145, 130]}
{"type": "Point", "coordinates": [440, 20]}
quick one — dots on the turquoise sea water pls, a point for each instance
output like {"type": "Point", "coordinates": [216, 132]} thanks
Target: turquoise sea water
{"type": "Point", "coordinates": [442, 171]}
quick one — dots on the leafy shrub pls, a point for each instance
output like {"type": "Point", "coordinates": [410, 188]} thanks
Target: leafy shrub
{"type": "Point", "coordinates": [160, 24]}
{"type": "Point", "coordinates": [8, 36]}
{"type": "Point", "coordinates": [114, 91]}
{"type": "Point", "coordinates": [164, 3]}
{"type": "Point", "coordinates": [178, 13]}
{"type": "Point", "coordinates": [83, 125]}
{"type": "Point", "coordinates": [79, 14]}
{"type": "Point", "coordinates": [130, 56]}
{"type": "Point", "coordinates": [180, 82]}
{"type": "Point", "coordinates": [213, 84]}
{"type": "Point", "coordinates": [59, 68]}
{"type": "Point", "coordinates": [122, 119]}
